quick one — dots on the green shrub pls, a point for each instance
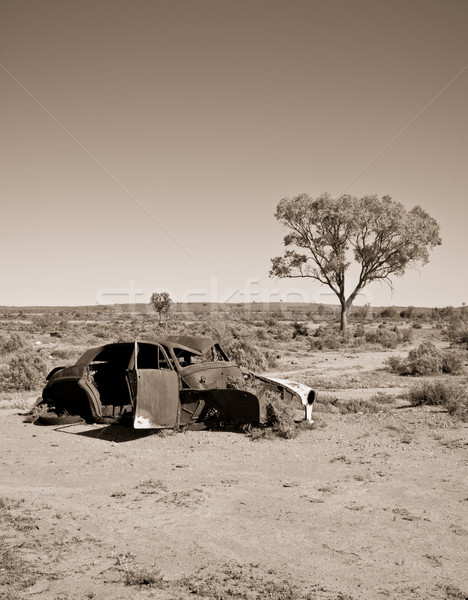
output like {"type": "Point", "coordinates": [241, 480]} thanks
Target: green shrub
{"type": "Point", "coordinates": [25, 371]}
{"type": "Point", "coordinates": [426, 359]}
{"type": "Point", "coordinates": [450, 394]}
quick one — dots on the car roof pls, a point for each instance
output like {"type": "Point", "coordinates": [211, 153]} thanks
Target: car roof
{"type": "Point", "coordinates": [195, 345]}
{"type": "Point", "coordinates": [189, 342]}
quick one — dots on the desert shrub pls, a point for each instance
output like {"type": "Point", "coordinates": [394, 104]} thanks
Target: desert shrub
{"type": "Point", "coordinates": [65, 353]}
{"type": "Point", "coordinates": [383, 398]}
{"type": "Point", "coordinates": [389, 338]}
{"type": "Point", "coordinates": [452, 395]}
{"type": "Point", "coordinates": [247, 354]}
{"type": "Point", "coordinates": [12, 342]}
{"type": "Point", "coordinates": [243, 345]}
{"type": "Point", "coordinates": [452, 361]}
{"type": "Point", "coordinates": [442, 313]}
{"type": "Point", "coordinates": [328, 338]}
{"type": "Point", "coordinates": [382, 336]}
{"type": "Point", "coordinates": [404, 335]}
{"type": "Point", "coordinates": [462, 337]}
{"type": "Point", "coordinates": [359, 331]}
{"type": "Point", "coordinates": [25, 371]}
{"type": "Point", "coordinates": [299, 329]}
{"type": "Point", "coordinates": [280, 416]}
{"type": "Point", "coordinates": [279, 422]}
{"type": "Point", "coordinates": [426, 359]}
{"type": "Point", "coordinates": [43, 322]}
{"type": "Point", "coordinates": [280, 331]}
{"type": "Point", "coordinates": [389, 313]}
{"type": "Point", "coordinates": [458, 334]}
{"type": "Point", "coordinates": [408, 313]}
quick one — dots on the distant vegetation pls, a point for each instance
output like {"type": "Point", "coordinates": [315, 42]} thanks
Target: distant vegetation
{"type": "Point", "coordinates": [426, 343]}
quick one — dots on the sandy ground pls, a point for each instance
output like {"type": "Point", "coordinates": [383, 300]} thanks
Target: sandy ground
{"type": "Point", "coordinates": [370, 506]}
{"type": "Point", "coordinates": [361, 507]}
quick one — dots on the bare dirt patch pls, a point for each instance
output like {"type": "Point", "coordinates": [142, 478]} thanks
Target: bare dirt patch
{"type": "Point", "coordinates": [370, 506]}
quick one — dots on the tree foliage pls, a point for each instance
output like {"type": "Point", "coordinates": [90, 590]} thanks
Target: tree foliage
{"type": "Point", "coordinates": [325, 234]}
{"type": "Point", "coordinates": [161, 302]}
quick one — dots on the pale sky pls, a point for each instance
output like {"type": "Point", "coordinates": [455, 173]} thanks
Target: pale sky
{"type": "Point", "coordinates": [146, 144]}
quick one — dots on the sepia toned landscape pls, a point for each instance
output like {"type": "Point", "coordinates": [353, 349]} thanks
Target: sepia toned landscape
{"type": "Point", "coordinates": [233, 302]}
{"type": "Point", "coordinates": [368, 502]}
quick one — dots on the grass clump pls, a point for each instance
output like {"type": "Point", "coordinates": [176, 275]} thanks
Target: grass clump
{"type": "Point", "coordinates": [15, 573]}
{"type": "Point", "coordinates": [426, 359]}
{"type": "Point", "coordinates": [242, 582]}
{"type": "Point", "coordinates": [451, 395]}
{"type": "Point", "coordinates": [140, 576]}
{"type": "Point", "coordinates": [133, 575]}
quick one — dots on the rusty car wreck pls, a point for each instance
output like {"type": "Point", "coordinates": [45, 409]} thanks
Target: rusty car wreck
{"type": "Point", "coordinates": [178, 381]}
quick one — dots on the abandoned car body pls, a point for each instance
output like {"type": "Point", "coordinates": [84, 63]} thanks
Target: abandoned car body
{"type": "Point", "coordinates": [170, 382]}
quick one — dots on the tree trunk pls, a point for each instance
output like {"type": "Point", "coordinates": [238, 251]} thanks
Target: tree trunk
{"type": "Point", "coordinates": [343, 319]}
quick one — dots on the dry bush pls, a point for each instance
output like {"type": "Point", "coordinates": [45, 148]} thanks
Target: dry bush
{"type": "Point", "coordinates": [280, 422]}
{"type": "Point", "coordinates": [383, 398]}
{"type": "Point", "coordinates": [382, 337]}
{"type": "Point", "coordinates": [449, 394]}
{"type": "Point", "coordinates": [243, 344]}
{"type": "Point", "coordinates": [300, 329]}
{"type": "Point", "coordinates": [280, 331]}
{"type": "Point", "coordinates": [462, 337]}
{"type": "Point", "coordinates": [24, 371]}
{"type": "Point", "coordinates": [12, 342]}
{"type": "Point", "coordinates": [67, 353]}
{"type": "Point", "coordinates": [330, 338]}
{"type": "Point", "coordinates": [426, 359]}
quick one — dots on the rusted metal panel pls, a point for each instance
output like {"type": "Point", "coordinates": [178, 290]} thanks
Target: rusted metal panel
{"type": "Point", "coordinates": [157, 399]}
{"type": "Point", "coordinates": [294, 389]}
{"type": "Point", "coordinates": [236, 405]}
{"type": "Point", "coordinates": [211, 375]}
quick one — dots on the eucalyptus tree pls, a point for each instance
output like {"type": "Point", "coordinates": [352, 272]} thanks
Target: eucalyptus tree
{"type": "Point", "coordinates": [325, 235]}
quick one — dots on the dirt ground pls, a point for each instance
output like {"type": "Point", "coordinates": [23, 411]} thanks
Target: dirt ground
{"type": "Point", "coordinates": [363, 506]}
